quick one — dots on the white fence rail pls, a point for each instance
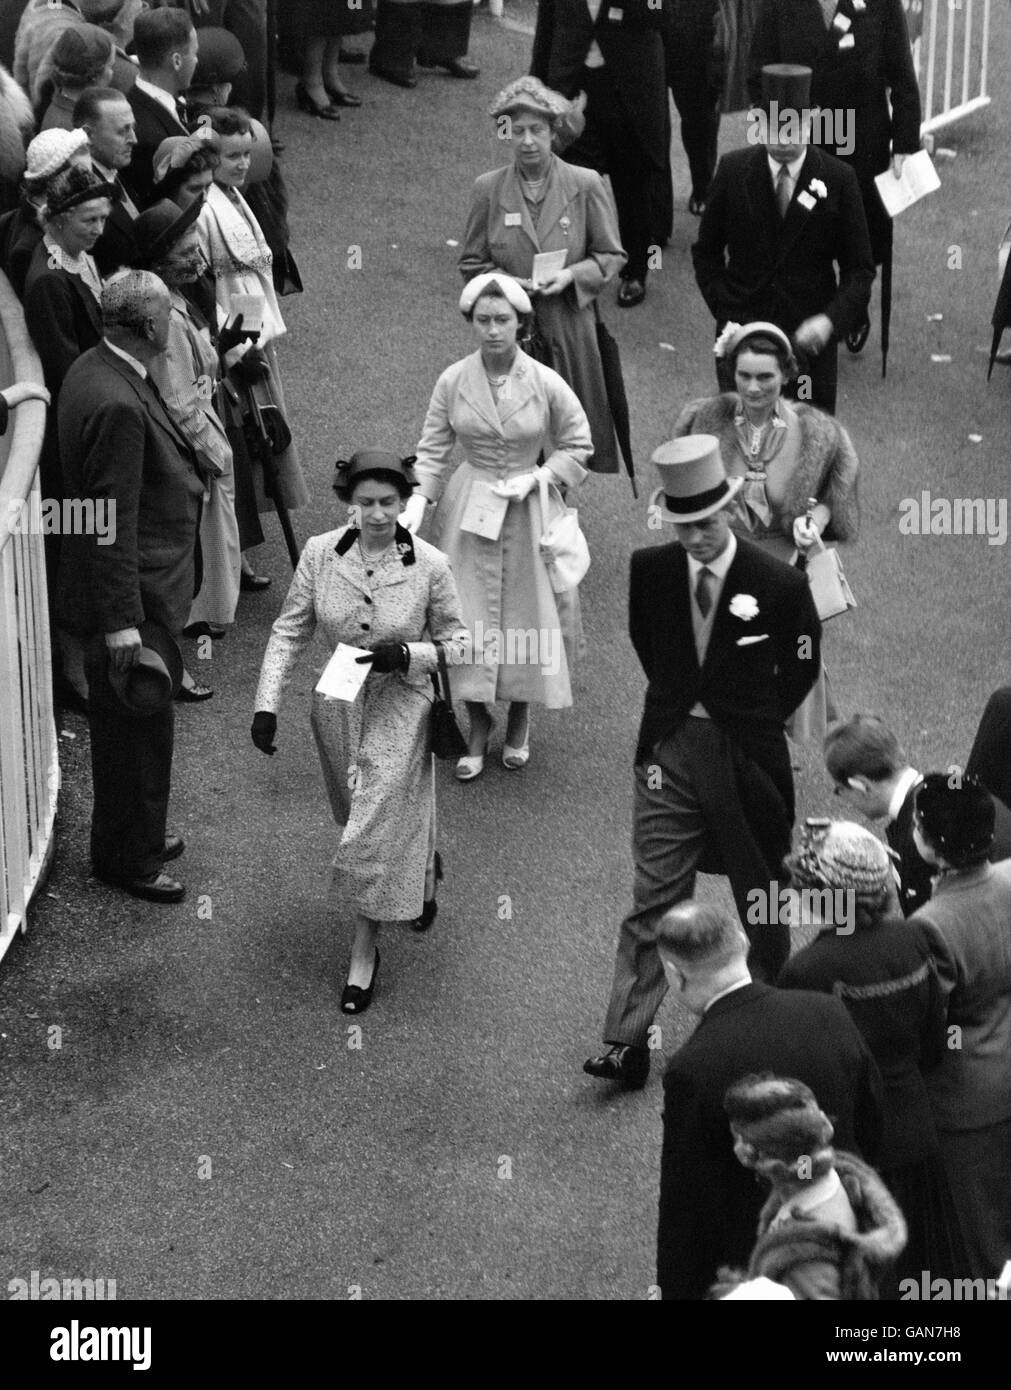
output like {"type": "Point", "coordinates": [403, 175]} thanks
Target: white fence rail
{"type": "Point", "coordinates": [950, 39]}
{"type": "Point", "coordinates": [29, 760]}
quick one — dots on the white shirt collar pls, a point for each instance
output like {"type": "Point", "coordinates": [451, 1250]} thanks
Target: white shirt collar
{"type": "Point", "coordinates": [794, 166]}
{"type": "Point", "coordinates": [719, 566]}
{"type": "Point", "coordinates": [138, 367]}
{"type": "Point", "coordinates": [908, 779]}
{"type": "Point", "coordinates": [738, 984]}
{"type": "Point", "coordinates": [159, 94]}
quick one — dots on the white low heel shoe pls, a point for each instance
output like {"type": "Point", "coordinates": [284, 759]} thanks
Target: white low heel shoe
{"type": "Point", "coordinates": [469, 768]}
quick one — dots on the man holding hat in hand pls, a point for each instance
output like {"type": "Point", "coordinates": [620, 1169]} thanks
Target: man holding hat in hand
{"type": "Point", "coordinates": [779, 217]}
{"type": "Point", "coordinates": [729, 639]}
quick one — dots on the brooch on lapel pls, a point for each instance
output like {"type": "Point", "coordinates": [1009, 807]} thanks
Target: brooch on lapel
{"type": "Point", "coordinates": [565, 224]}
{"type": "Point", "coordinates": [744, 606]}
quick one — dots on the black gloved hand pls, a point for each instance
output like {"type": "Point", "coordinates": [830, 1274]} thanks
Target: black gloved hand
{"type": "Point", "coordinates": [264, 730]}
{"type": "Point", "coordinates": [252, 367]}
{"type": "Point", "coordinates": [388, 656]}
{"type": "Point", "coordinates": [233, 334]}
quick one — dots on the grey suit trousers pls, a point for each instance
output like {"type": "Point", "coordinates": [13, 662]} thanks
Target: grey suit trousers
{"type": "Point", "coordinates": [685, 803]}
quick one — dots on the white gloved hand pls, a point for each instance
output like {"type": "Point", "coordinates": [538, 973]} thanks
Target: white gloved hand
{"type": "Point", "coordinates": [414, 511]}
{"type": "Point", "coordinates": [805, 533]}
{"type": "Point", "coordinates": [516, 488]}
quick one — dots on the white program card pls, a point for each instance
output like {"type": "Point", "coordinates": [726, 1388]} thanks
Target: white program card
{"type": "Point", "coordinates": [250, 306]}
{"type": "Point", "coordinates": [342, 677]}
{"type": "Point", "coordinates": [546, 265]}
{"type": "Point", "coordinates": [919, 177]}
{"type": "Point", "coordinates": [485, 511]}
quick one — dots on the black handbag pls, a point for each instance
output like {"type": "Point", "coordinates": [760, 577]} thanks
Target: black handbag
{"type": "Point", "coordinates": [447, 742]}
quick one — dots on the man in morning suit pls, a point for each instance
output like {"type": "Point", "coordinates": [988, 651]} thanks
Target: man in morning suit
{"type": "Point", "coordinates": [778, 218]}
{"type": "Point", "coordinates": [709, 1202]}
{"type": "Point", "coordinates": [871, 773]}
{"type": "Point", "coordinates": [614, 51]}
{"type": "Point", "coordinates": [862, 69]}
{"type": "Point", "coordinates": [108, 118]}
{"type": "Point", "coordinates": [166, 44]}
{"type": "Point", "coordinates": [119, 445]}
{"type": "Point", "coordinates": [730, 642]}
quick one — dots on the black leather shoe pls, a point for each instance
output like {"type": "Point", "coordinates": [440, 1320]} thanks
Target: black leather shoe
{"type": "Point", "coordinates": [203, 629]}
{"type": "Point", "coordinates": [456, 67]}
{"type": "Point", "coordinates": [154, 888]}
{"type": "Point", "coordinates": [859, 336]}
{"type": "Point", "coordinates": [696, 206]}
{"type": "Point", "coordinates": [400, 77]}
{"type": "Point", "coordinates": [623, 1063]}
{"type": "Point", "coordinates": [430, 907]}
{"type": "Point", "coordinates": [306, 102]}
{"type": "Point", "coordinates": [631, 293]}
{"type": "Point", "coordinates": [356, 1000]}
{"type": "Point", "coordinates": [251, 583]}
{"type": "Point", "coordinates": [174, 846]}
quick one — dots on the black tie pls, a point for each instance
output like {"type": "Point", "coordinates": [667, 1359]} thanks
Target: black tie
{"type": "Point", "coordinates": [783, 190]}
{"type": "Point", "coordinates": [703, 591]}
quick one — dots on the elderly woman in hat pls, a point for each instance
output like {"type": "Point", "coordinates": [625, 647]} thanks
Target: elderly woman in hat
{"type": "Point", "coordinates": [966, 921]}
{"type": "Point", "coordinates": [506, 412]}
{"type": "Point", "coordinates": [49, 154]}
{"type": "Point", "coordinates": [536, 204]}
{"type": "Point", "coordinates": [186, 375]}
{"type": "Point", "coordinates": [830, 1229]}
{"type": "Point", "coordinates": [880, 966]}
{"type": "Point", "coordinates": [372, 584]}
{"type": "Point", "coordinates": [787, 452]}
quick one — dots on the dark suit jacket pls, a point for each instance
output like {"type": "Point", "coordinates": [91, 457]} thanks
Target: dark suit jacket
{"type": "Point", "coordinates": [860, 78]}
{"type": "Point", "coordinates": [709, 1203]}
{"type": "Point", "coordinates": [153, 124]}
{"type": "Point", "coordinates": [915, 874]}
{"type": "Point", "coordinates": [751, 264]}
{"type": "Point", "coordinates": [20, 233]}
{"type": "Point", "coordinates": [630, 35]}
{"type": "Point", "coordinates": [750, 689]}
{"type": "Point", "coordinates": [118, 442]}
{"type": "Point", "coordinates": [116, 246]}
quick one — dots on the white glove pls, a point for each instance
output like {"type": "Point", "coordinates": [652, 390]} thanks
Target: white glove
{"type": "Point", "coordinates": [414, 511]}
{"type": "Point", "coordinates": [516, 488]}
{"type": "Point", "coordinates": [805, 533]}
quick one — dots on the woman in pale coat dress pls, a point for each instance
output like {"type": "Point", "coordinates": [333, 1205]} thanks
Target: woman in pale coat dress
{"type": "Point", "coordinates": [505, 410]}
{"type": "Point", "coordinates": [372, 584]}
{"type": "Point", "coordinates": [539, 203]}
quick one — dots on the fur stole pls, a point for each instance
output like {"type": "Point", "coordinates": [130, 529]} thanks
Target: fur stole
{"type": "Point", "coordinates": [827, 463]}
{"type": "Point", "coordinates": [16, 127]}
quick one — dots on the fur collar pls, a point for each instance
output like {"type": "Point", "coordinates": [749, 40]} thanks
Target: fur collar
{"type": "Point", "coordinates": [16, 124]}
{"type": "Point", "coordinates": [826, 467]}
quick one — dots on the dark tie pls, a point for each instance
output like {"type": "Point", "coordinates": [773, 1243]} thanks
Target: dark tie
{"type": "Point", "coordinates": [783, 190]}
{"type": "Point", "coordinates": [182, 112]}
{"type": "Point", "coordinates": [703, 591]}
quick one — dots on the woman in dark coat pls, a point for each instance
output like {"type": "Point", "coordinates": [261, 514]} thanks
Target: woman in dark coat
{"type": "Point", "coordinates": [881, 967]}
{"type": "Point", "coordinates": [538, 203]}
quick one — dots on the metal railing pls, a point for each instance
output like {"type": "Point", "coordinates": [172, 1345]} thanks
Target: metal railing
{"type": "Point", "coordinates": [29, 758]}
{"type": "Point", "coordinates": [950, 39]}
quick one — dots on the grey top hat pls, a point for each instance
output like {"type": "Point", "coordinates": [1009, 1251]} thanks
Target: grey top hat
{"type": "Point", "coordinates": [694, 482]}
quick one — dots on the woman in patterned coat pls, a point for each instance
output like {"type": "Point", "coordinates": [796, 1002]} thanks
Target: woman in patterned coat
{"type": "Point", "coordinates": [372, 584]}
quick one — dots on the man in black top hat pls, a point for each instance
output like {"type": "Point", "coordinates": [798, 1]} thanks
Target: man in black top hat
{"type": "Point", "coordinates": [729, 639]}
{"type": "Point", "coordinates": [120, 447]}
{"type": "Point", "coordinates": [780, 216]}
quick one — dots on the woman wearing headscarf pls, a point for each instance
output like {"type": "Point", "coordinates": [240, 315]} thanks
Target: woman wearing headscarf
{"type": "Point", "coordinates": [787, 452]}
{"type": "Point", "coordinates": [538, 203]}
{"type": "Point", "coordinates": [830, 1229]}
{"type": "Point", "coordinates": [881, 967]}
{"type": "Point", "coordinates": [186, 375]}
{"type": "Point", "coordinates": [372, 584]}
{"type": "Point", "coordinates": [505, 411]}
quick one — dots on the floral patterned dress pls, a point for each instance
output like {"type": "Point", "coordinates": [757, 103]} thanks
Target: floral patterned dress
{"type": "Point", "coordinates": [374, 752]}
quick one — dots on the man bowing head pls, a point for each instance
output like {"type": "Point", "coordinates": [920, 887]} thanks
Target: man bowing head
{"type": "Point", "coordinates": [729, 640]}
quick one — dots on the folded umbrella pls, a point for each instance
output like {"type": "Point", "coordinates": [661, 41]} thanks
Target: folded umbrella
{"type": "Point", "coordinates": [617, 398]}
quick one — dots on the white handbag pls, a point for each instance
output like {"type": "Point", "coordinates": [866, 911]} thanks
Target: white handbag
{"type": "Point", "coordinates": [563, 545]}
{"type": "Point", "coordinates": [831, 593]}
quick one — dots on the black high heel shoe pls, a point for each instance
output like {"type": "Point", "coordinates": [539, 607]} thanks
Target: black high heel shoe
{"type": "Point", "coordinates": [430, 907]}
{"type": "Point", "coordinates": [356, 1000]}
{"type": "Point", "coordinates": [314, 108]}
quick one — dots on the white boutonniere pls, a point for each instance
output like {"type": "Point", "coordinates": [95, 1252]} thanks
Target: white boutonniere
{"type": "Point", "coordinates": [744, 606]}
{"type": "Point", "coordinates": [723, 341]}
{"type": "Point", "coordinates": [859, 6]}
{"type": "Point", "coordinates": [805, 200]}
{"type": "Point", "coordinates": [818, 188]}
{"type": "Point", "coordinates": [565, 224]}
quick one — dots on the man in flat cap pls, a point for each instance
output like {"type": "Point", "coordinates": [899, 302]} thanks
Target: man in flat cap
{"type": "Point", "coordinates": [779, 218]}
{"type": "Point", "coordinates": [729, 640]}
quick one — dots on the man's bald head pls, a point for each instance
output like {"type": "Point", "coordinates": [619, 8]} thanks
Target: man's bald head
{"type": "Point", "coordinates": [135, 309]}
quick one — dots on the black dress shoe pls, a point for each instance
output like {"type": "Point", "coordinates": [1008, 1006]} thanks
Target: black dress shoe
{"type": "Point", "coordinates": [194, 694]}
{"type": "Point", "coordinates": [400, 77]}
{"type": "Point", "coordinates": [174, 846]}
{"type": "Point", "coordinates": [213, 630]}
{"type": "Point", "coordinates": [859, 336]}
{"type": "Point", "coordinates": [696, 206]}
{"type": "Point", "coordinates": [430, 907]}
{"type": "Point", "coordinates": [324, 110]}
{"type": "Point", "coordinates": [630, 293]}
{"type": "Point", "coordinates": [253, 583]}
{"type": "Point", "coordinates": [342, 98]}
{"type": "Point", "coordinates": [154, 888]}
{"type": "Point", "coordinates": [456, 67]}
{"type": "Point", "coordinates": [624, 1063]}
{"type": "Point", "coordinates": [356, 1000]}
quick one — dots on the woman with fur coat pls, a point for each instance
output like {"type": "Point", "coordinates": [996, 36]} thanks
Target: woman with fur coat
{"type": "Point", "coordinates": [16, 128]}
{"type": "Point", "coordinates": [830, 1229]}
